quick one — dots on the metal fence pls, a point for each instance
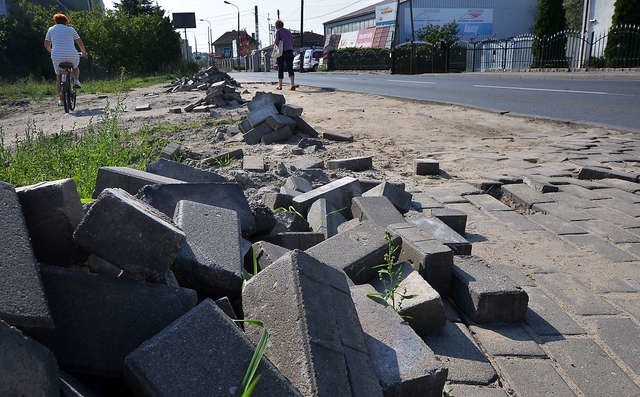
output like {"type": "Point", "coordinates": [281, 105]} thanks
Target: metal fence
{"type": "Point", "coordinates": [258, 62]}
{"type": "Point", "coordinates": [569, 49]}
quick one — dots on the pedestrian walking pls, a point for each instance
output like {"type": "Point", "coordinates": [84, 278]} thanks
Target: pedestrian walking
{"type": "Point", "coordinates": [284, 42]}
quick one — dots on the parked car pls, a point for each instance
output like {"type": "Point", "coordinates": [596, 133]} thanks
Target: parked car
{"type": "Point", "coordinates": [311, 59]}
{"type": "Point", "coordinates": [296, 62]}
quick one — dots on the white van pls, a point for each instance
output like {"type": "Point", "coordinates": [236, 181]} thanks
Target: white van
{"type": "Point", "coordinates": [311, 59]}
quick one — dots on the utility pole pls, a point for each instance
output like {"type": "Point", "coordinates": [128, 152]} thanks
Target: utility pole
{"type": "Point", "coordinates": [301, 24]}
{"type": "Point", "coordinates": [278, 13]}
{"type": "Point", "coordinates": [257, 34]}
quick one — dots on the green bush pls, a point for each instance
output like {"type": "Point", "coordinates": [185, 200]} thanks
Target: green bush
{"type": "Point", "coordinates": [549, 47]}
{"type": "Point", "coordinates": [360, 59]}
{"type": "Point", "coordinates": [623, 43]}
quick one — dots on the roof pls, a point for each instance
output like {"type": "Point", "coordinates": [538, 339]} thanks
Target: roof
{"type": "Point", "coordinates": [228, 37]}
{"type": "Point", "coordinates": [362, 12]}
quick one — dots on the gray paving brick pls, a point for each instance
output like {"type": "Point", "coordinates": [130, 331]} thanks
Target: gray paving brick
{"type": "Point", "coordinates": [339, 193]}
{"type": "Point", "coordinates": [264, 99]}
{"type": "Point", "coordinates": [599, 246]}
{"type": "Point", "coordinates": [352, 163]}
{"type": "Point", "coordinates": [324, 218]}
{"type": "Point", "coordinates": [595, 373]}
{"type": "Point", "coordinates": [523, 196]}
{"type": "Point", "coordinates": [305, 163]}
{"type": "Point", "coordinates": [355, 251]}
{"type": "Point", "coordinates": [210, 261]}
{"type": "Point", "coordinates": [225, 195]}
{"type": "Point", "coordinates": [623, 195]}
{"type": "Point", "coordinates": [575, 295]}
{"type": "Point", "coordinates": [291, 110]}
{"type": "Point", "coordinates": [378, 210]}
{"type": "Point", "coordinates": [506, 340]}
{"type": "Point", "coordinates": [52, 211]}
{"type": "Point", "coordinates": [296, 240]}
{"type": "Point", "coordinates": [622, 336]}
{"type": "Point", "coordinates": [488, 202]}
{"type": "Point", "coordinates": [277, 121]}
{"type": "Point", "coordinates": [573, 202]}
{"type": "Point", "coordinates": [438, 230]}
{"type": "Point", "coordinates": [515, 221]}
{"type": "Point", "coordinates": [631, 209]}
{"type": "Point", "coordinates": [253, 163]}
{"type": "Point", "coordinates": [422, 201]}
{"type": "Point", "coordinates": [267, 253]}
{"type": "Point", "coordinates": [594, 172]}
{"type": "Point", "coordinates": [255, 134]}
{"type": "Point", "coordinates": [460, 390]}
{"type": "Point", "coordinates": [281, 134]}
{"type": "Point", "coordinates": [582, 192]}
{"type": "Point", "coordinates": [403, 362]}
{"type": "Point", "coordinates": [547, 318]}
{"type": "Point", "coordinates": [395, 192]}
{"type": "Point", "coordinates": [627, 186]}
{"type": "Point", "coordinates": [305, 128]}
{"type": "Point", "coordinates": [259, 115]}
{"type": "Point", "coordinates": [183, 172]}
{"type": "Point", "coordinates": [539, 183]}
{"type": "Point", "coordinates": [194, 370]}
{"type": "Point", "coordinates": [336, 136]}
{"type": "Point", "coordinates": [563, 211]}
{"type": "Point", "coordinates": [484, 294]}
{"type": "Point", "coordinates": [315, 337]}
{"type": "Point", "coordinates": [613, 233]}
{"type": "Point", "coordinates": [630, 304]}
{"type": "Point", "coordinates": [613, 216]}
{"type": "Point", "coordinates": [455, 219]}
{"type": "Point", "coordinates": [587, 184]}
{"type": "Point", "coordinates": [128, 179]}
{"type": "Point", "coordinates": [100, 319]}
{"type": "Point", "coordinates": [555, 224]}
{"type": "Point", "coordinates": [458, 352]}
{"type": "Point", "coordinates": [533, 378]}
{"type": "Point", "coordinates": [426, 166]}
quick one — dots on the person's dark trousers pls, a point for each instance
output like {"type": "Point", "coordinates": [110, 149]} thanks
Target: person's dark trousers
{"type": "Point", "coordinates": [285, 62]}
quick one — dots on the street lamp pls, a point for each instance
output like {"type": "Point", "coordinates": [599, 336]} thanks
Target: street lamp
{"type": "Point", "coordinates": [237, 31]}
{"type": "Point", "coordinates": [208, 37]}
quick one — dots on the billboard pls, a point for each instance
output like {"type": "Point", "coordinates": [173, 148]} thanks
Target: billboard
{"type": "Point", "coordinates": [365, 38]}
{"type": "Point", "coordinates": [471, 21]}
{"type": "Point", "coordinates": [348, 39]}
{"type": "Point", "coordinates": [386, 14]}
{"type": "Point", "coordinates": [183, 20]}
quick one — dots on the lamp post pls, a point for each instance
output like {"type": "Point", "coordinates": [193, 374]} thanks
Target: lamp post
{"type": "Point", "coordinates": [208, 37]}
{"type": "Point", "coordinates": [237, 32]}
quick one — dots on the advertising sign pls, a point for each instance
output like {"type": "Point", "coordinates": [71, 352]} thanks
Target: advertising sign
{"type": "Point", "coordinates": [348, 39]}
{"type": "Point", "coordinates": [365, 38]}
{"type": "Point", "coordinates": [471, 21]}
{"type": "Point", "coordinates": [184, 20]}
{"type": "Point", "coordinates": [386, 14]}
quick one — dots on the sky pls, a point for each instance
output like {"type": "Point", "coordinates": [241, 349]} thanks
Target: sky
{"type": "Point", "coordinates": [224, 17]}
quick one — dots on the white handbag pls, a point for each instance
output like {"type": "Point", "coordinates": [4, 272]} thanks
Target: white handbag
{"type": "Point", "coordinates": [277, 49]}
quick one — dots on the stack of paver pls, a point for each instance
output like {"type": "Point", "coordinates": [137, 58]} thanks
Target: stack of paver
{"type": "Point", "coordinates": [219, 86]}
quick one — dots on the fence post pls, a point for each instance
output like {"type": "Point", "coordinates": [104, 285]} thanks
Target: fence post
{"type": "Point", "coordinates": [473, 58]}
{"type": "Point", "coordinates": [504, 57]}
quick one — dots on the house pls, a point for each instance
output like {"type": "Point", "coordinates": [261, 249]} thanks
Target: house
{"type": "Point", "coordinates": [223, 45]}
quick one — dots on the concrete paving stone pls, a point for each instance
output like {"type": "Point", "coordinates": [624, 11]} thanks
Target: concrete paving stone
{"type": "Point", "coordinates": [353, 163]}
{"type": "Point", "coordinates": [615, 234]}
{"type": "Point", "coordinates": [296, 240]}
{"type": "Point", "coordinates": [630, 304]}
{"type": "Point", "coordinates": [225, 195]}
{"type": "Point", "coordinates": [631, 187]}
{"type": "Point", "coordinates": [367, 184]}
{"type": "Point", "coordinates": [623, 206]}
{"type": "Point", "coordinates": [305, 128]}
{"type": "Point", "coordinates": [338, 193]}
{"type": "Point", "coordinates": [259, 115]}
{"type": "Point", "coordinates": [533, 377]}
{"type": "Point", "coordinates": [378, 210]}
{"type": "Point", "coordinates": [253, 163]}
{"type": "Point", "coordinates": [455, 347]}
{"type": "Point", "coordinates": [484, 294]}
{"type": "Point", "coordinates": [455, 219]}
{"type": "Point", "coordinates": [244, 126]}
{"type": "Point", "coordinates": [281, 134]}
{"type": "Point", "coordinates": [582, 192]}
{"type": "Point", "coordinates": [622, 336]}
{"type": "Point", "coordinates": [474, 214]}
{"type": "Point", "coordinates": [487, 186]}
{"type": "Point", "coordinates": [104, 267]}
{"type": "Point", "coordinates": [460, 390]}
{"type": "Point", "coordinates": [395, 192]}
{"type": "Point", "coordinates": [426, 166]}
{"type": "Point", "coordinates": [614, 216]}
{"type": "Point", "coordinates": [315, 339]}
{"type": "Point", "coordinates": [298, 183]}
{"type": "Point", "coordinates": [599, 246]}
{"type": "Point", "coordinates": [255, 134]}
{"type": "Point", "coordinates": [210, 261]}
{"type": "Point", "coordinates": [438, 230]}
{"type": "Point", "coordinates": [28, 368]}
{"type": "Point", "coordinates": [267, 253]}
{"type": "Point", "coordinates": [574, 202]}
{"type": "Point", "coordinates": [193, 370]}
{"type": "Point", "coordinates": [183, 172]}
{"type": "Point", "coordinates": [563, 211]}
{"type": "Point", "coordinates": [356, 251]}
{"type": "Point", "coordinates": [337, 136]}
{"type": "Point", "coordinates": [128, 179]}
{"type": "Point", "coordinates": [405, 365]}
{"type": "Point", "coordinates": [277, 121]}
{"type": "Point", "coordinates": [506, 340]}
{"type": "Point", "coordinates": [227, 308]}
{"type": "Point", "coordinates": [523, 196]}
{"type": "Point", "coordinates": [504, 178]}
{"type": "Point", "coordinates": [432, 259]}
{"type": "Point", "coordinates": [539, 183]}
{"type": "Point", "coordinates": [488, 202]}
{"type": "Point", "coordinates": [575, 295]}
{"type": "Point", "coordinates": [324, 218]}
{"type": "Point", "coordinates": [555, 224]}
{"type": "Point", "coordinates": [587, 184]}
{"type": "Point", "coordinates": [264, 99]}
{"type": "Point", "coordinates": [607, 285]}
{"type": "Point", "coordinates": [142, 107]}
{"type": "Point", "coordinates": [516, 274]}
{"type": "Point", "coordinates": [291, 110]}
{"type": "Point", "coordinates": [100, 319]}
{"type": "Point", "coordinates": [171, 150]}
{"type": "Point", "coordinates": [275, 200]}
{"type": "Point", "coordinates": [423, 201]}
{"type": "Point", "coordinates": [306, 163]}
{"type": "Point", "coordinates": [424, 311]}
{"type": "Point", "coordinates": [124, 231]}
{"type": "Point", "coordinates": [515, 221]}
{"type": "Point", "coordinates": [589, 367]}
{"type": "Point", "coordinates": [52, 211]}
{"type": "Point", "coordinates": [594, 172]}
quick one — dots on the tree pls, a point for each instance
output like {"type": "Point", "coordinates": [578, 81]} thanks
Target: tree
{"type": "Point", "coordinates": [623, 43]}
{"type": "Point", "coordinates": [549, 48]}
{"type": "Point", "coordinates": [573, 10]}
{"type": "Point", "coordinates": [137, 7]}
{"type": "Point", "coordinates": [446, 34]}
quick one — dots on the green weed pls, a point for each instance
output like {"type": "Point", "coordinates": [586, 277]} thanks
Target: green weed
{"type": "Point", "coordinates": [290, 209]}
{"type": "Point", "coordinates": [249, 381]}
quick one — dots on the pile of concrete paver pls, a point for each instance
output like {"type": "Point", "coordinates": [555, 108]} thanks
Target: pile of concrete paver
{"type": "Point", "coordinates": [219, 86]}
{"type": "Point", "coordinates": [135, 293]}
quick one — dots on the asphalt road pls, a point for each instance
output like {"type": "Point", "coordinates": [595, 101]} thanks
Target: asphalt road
{"type": "Point", "coordinates": [604, 99]}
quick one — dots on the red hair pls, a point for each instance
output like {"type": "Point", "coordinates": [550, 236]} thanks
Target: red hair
{"type": "Point", "coordinates": [61, 18]}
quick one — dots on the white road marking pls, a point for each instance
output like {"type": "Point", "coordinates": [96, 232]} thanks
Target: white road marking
{"type": "Point", "coordinates": [411, 81]}
{"type": "Point", "coordinates": [543, 89]}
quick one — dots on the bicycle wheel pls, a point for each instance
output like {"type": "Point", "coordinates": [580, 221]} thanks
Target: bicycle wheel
{"type": "Point", "coordinates": [72, 96]}
{"type": "Point", "coordinates": [66, 91]}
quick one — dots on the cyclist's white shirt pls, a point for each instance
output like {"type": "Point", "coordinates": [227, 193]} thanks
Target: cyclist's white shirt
{"type": "Point", "coordinates": [63, 49]}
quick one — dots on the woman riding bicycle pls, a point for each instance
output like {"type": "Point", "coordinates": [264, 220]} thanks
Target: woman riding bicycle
{"type": "Point", "coordinates": [60, 43]}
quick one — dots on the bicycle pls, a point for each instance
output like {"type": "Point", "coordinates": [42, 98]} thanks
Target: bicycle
{"type": "Point", "coordinates": [68, 86]}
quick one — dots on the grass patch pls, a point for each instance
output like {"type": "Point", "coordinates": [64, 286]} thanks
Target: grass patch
{"type": "Point", "coordinates": [37, 157]}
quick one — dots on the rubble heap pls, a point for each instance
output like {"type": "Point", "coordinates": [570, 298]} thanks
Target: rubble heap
{"type": "Point", "coordinates": [220, 88]}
